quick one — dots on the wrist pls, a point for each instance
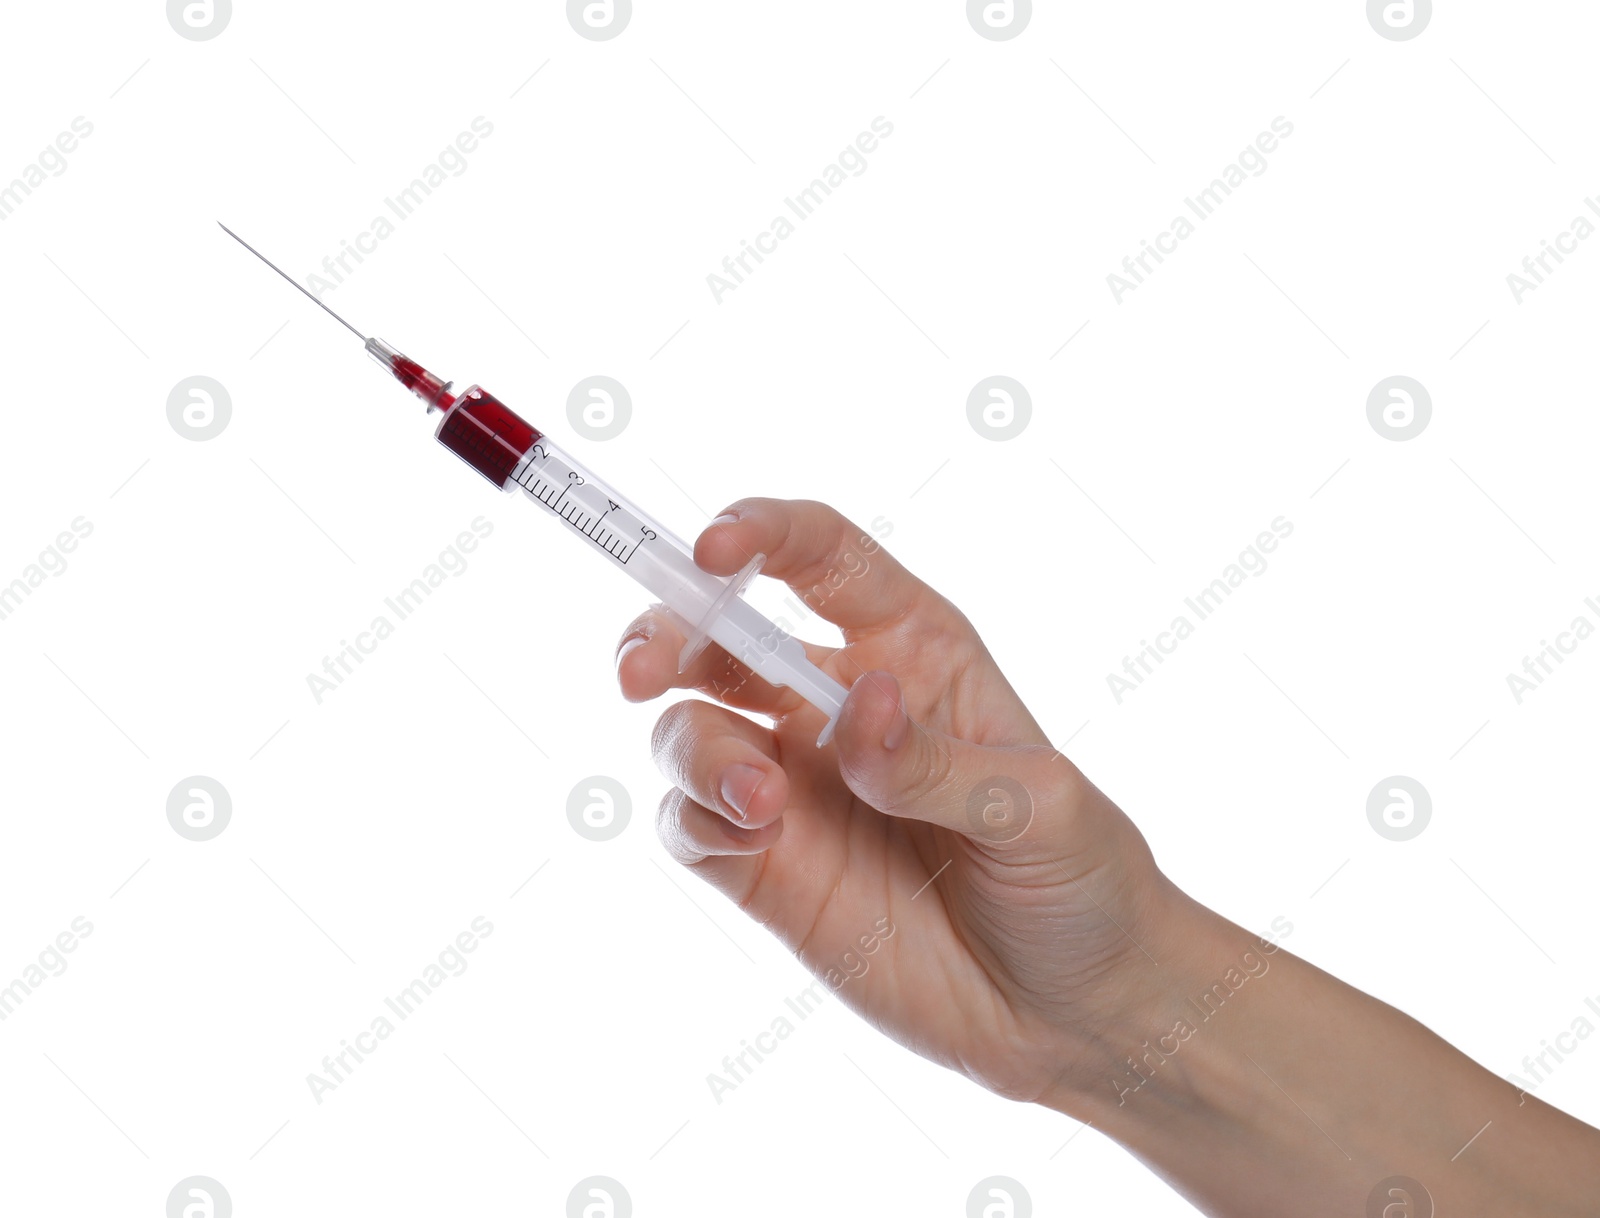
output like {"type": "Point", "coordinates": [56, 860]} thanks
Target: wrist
{"type": "Point", "coordinates": [1186, 964]}
{"type": "Point", "coordinates": [1257, 1083]}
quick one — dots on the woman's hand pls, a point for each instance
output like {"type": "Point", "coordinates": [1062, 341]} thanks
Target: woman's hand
{"type": "Point", "coordinates": [963, 886]}
{"type": "Point", "coordinates": [950, 874]}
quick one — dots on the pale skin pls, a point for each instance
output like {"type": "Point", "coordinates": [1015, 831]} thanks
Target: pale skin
{"type": "Point", "coordinates": [1045, 954]}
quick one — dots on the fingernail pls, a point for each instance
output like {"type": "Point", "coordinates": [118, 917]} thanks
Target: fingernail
{"type": "Point", "coordinates": [895, 736]}
{"type": "Point", "coordinates": [632, 643]}
{"type": "Point", "coordinates": [725, 518]}
{"type": "Point", "coordinates": [739, 783]}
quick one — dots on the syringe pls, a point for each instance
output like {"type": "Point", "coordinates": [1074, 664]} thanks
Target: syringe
{"type": "Point", "coordinates": [511, 453]}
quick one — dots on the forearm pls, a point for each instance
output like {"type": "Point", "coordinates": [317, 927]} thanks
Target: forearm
{"type": "Point", "coordinates": [1256, 1083]}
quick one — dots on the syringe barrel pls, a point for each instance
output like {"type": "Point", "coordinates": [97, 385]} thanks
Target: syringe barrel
{"type": "Point", "coordinates": [512, 453]}
{"type": "Point", "coordinates": [487, 434]}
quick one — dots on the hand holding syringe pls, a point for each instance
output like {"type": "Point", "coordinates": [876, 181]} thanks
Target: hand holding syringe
{"type": "Point", "coordinates": [511, 453]}
{"type": "Point", "coordinates": [950, 875]}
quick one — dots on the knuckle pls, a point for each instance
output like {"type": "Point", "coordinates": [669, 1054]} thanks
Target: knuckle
{"type": "Point", "coordinates": [746, 504]}
{"type": "Point", "coordinates": [957, 623]}
{"type": "Point", "coordinates": [671, 830]}
{"type": "Point", "coordinates": [671, 727]}
{"type": "Point", "coordinates": [669, 812]}
{"type": "Point", "coordinates": [682, 735]}
{"type": "Point", "coordinates": [824, 512]}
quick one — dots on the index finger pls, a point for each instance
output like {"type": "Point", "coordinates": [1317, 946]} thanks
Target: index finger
{"type": "Point", "coordinates": [840, 570]}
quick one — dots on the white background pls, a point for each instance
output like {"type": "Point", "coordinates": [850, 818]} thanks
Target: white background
{"type": "Point", "coordinates": [369, 829]}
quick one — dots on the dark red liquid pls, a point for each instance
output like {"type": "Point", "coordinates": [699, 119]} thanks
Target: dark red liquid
{"type": "Point", "coordinates": [421, 382]}
{"type": "Point", "coordinates": [483, 432]}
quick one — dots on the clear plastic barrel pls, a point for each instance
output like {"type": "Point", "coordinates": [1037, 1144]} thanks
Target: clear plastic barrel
{"type": "Point", "coordinates": [512, 454]}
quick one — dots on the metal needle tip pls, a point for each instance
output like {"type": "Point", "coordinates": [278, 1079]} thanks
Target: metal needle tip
{"type": "Point", "coordinates": [275, 267]}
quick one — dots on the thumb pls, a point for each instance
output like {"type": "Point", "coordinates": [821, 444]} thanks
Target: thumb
{"type": "Point", "coordinates": [998, 796]}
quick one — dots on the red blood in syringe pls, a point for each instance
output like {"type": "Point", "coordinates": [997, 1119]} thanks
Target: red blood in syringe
{"type": "Point", "coordinates": [478, 427]}
{"type": "Point", "coordinates": [431, 389]}
{"type": "Point", "coordinates": [485, 433]}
